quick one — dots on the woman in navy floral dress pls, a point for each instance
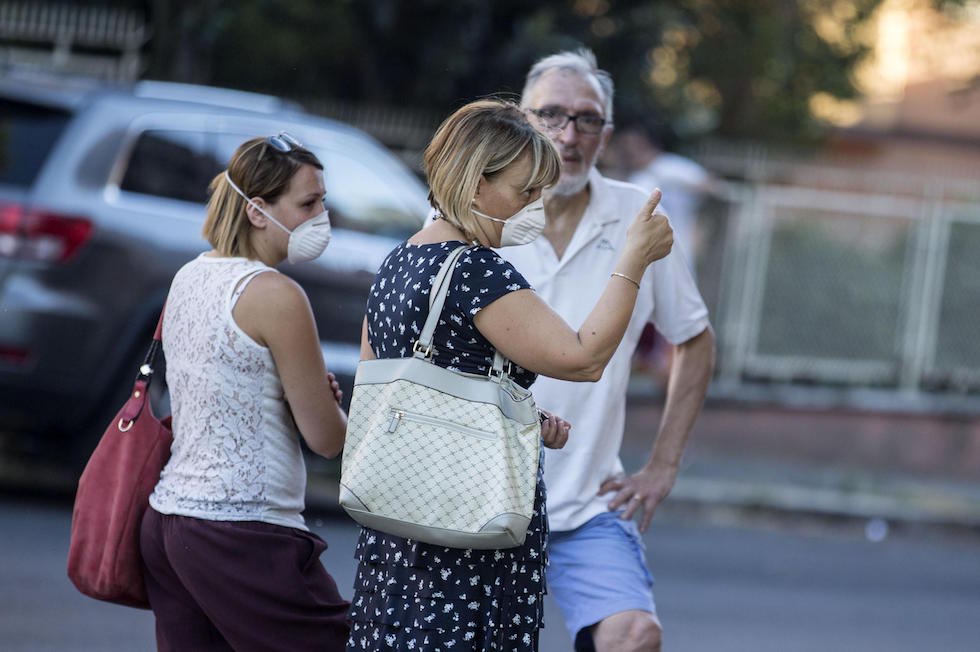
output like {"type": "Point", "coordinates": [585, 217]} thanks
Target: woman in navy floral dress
{"type": "Point", "coordinates": [486, 167]}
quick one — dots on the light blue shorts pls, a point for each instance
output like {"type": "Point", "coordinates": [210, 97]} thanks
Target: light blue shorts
{"type": "Point", "coordinates": [598, 570]}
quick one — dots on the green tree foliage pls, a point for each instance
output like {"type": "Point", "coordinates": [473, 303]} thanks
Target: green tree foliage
{"type": "Point", "coordinates": [735, 69]}
{"type": "Point", "coordinates": [738, 69]}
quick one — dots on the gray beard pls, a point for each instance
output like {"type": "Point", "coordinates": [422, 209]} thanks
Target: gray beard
{"type": "Point", "coordinates": [567, 187]}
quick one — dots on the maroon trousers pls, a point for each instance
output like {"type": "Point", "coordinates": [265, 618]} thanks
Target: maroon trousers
{"type": "Point", "coordinates": [226, 585]}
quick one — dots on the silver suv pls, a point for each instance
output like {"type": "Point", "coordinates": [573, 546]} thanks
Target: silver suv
{"type": "Point", "coordinates": [102, 193]}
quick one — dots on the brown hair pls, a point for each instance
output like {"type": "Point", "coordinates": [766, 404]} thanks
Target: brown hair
{"type": "Point", "coordinates": [482, 138]}
{"type": "Point", "coordinates": [260, 170]}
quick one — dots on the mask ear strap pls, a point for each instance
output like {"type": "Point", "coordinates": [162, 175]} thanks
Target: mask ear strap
{"type": "Point", "coordinates": [239, 190]}
{"type": "Point", "coordinates": [253, 204]}
{"type": "Point", "coordinates": [487, 217]}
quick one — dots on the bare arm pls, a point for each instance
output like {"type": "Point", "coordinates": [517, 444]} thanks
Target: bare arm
{"type": "Point", "coordinates": [366, 352]}
{"type": "Point", "coordinates": [690, 374]}
{"type": "Point", "coordinates": [526, 330]}
{"type": "Point", "coordinates": [688, 384]}
{"type": "Point", "coordinates": [276, 313]}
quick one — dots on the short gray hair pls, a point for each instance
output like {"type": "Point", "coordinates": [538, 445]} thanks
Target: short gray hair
{"type": "Point", "coordinates": [582, 62]}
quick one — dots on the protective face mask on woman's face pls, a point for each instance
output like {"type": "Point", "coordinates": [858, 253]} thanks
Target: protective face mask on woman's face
{"type": "Point", "coordinates": [523, 226]}
{"type": "Point", "coordinates": [307, 241]}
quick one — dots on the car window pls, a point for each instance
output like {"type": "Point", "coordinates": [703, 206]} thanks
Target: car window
{"type": "Point", "coordinates": [365, 193]}
{"type": "Point", "coordinates": [367, 190]}
{"type": "Point", "coordinates": [27, 134]}
{"type": "Point", "coordinates": [172, 164]}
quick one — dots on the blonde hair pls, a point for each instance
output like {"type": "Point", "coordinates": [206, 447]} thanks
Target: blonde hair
{"type": "Point", "coordinates": [482, 138]}
{"type": "Point", "coordinates": [259, 170]}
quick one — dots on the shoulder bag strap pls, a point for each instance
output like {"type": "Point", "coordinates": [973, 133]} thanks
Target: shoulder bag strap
{"type": "Point", "coordinates": [138, 399]}
{"type": "Point", "coordinates": [437, 298]}
{"type": "Point", "coordinates": [146, 369]}
{"type": "Point", "coordinates": [158, 333]}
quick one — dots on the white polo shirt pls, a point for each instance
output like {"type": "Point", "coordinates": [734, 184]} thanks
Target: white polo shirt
{"type": "Point", "coordinates": [597, 411]}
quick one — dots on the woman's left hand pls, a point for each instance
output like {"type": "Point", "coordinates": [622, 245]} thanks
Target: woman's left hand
{"type": "Point", "coordinates": [335, 386]}
{"type": "Point", "coordinates": [554, 430]}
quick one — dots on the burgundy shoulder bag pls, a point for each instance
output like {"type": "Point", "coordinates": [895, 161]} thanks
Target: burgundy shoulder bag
{"type": "Point", "coordinates": [113, 493]}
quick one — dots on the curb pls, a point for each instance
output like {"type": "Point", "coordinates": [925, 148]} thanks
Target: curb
{"type": "Point", "coordinates": [908, 503]}
{"type": "Point", "coordinates": [915, 505]}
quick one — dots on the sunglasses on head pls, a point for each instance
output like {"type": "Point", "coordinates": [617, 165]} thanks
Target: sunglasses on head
{"type": "Point", "coordinates": [283, 142]}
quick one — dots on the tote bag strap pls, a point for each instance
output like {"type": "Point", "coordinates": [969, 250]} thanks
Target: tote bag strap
{"type": "Point", "coordinates": [437, 299]}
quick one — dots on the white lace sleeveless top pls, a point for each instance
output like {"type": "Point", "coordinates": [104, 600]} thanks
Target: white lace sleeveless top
{"type": "Point", "coordinates": [236, 454]}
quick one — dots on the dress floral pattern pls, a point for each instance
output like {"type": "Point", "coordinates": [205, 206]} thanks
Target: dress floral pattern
{"type": "Point", "coordinates": [410, 595]}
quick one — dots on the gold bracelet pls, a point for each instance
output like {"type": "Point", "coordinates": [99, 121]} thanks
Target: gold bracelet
{"type": "Point", "coordinates": [627, 278]}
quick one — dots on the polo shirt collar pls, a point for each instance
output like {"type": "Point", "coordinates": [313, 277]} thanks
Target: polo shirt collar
{"type": "Point", "coordinates": [600, 212]}
{"type": "Point", "coordinates": [602, 203]}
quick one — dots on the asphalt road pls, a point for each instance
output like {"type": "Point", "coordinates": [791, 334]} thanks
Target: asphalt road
{"type": "Point", "coordinates": [720, 586]}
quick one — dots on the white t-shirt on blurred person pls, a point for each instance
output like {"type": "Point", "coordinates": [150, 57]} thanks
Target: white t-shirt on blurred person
{"type": "Point", "coordinates": [680, 179]}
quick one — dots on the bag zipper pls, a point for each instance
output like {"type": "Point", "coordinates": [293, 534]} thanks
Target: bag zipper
{"type": "Point", "coordinates": [398, 415]}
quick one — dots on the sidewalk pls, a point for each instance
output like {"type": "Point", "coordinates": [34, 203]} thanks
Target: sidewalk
{"type": "Point", "coordinates": [782, 489]}
{"type": "Point", "coordinates": [910, 469]}
{"type": "Point", "coordinates": [785, 462]}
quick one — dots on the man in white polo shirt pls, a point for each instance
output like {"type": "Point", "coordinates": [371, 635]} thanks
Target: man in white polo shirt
{"type": "Point", "coordinates": [597, 573]}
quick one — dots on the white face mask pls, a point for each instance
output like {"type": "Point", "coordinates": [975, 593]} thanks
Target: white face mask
{"type": "Point", "coordinates": [523, 226]}
{"type": "Point", "coordinates": [307, 241]}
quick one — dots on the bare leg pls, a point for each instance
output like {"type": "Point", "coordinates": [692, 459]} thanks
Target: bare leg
{"type": "Point", "coordinates": [628, 631]}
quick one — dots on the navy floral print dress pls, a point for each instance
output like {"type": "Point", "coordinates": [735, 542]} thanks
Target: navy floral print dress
{"type": "Point", "coordinates": [415, 596]}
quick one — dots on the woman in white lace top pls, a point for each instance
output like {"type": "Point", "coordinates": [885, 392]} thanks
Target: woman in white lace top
{"type": "Point", "coordinates": [228, 560]}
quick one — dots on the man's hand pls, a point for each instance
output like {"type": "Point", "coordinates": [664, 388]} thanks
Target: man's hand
{"type": "Point", "coordinates": [646, 489]}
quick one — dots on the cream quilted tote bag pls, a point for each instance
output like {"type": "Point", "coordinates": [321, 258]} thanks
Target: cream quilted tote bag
{"type": "Point", "coordinates": [440, 456]}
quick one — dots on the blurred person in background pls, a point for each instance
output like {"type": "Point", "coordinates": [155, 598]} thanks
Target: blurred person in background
{"type": "Point", "coordinates": [685, 183]}
{"type": "Point", "coordinates": [229, 562]}
{"type": "Point", "coordinates": [640, 149]}
{"type": "Point", "coordinates": [597, 572]}
{"type": "Point", "coordinates": [486, 166]}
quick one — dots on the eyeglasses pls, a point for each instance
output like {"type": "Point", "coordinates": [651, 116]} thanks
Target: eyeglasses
{"type": "Point", "coordinates": [586, 123]}
{"type": "Point", "coordinates": [283, 142]}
